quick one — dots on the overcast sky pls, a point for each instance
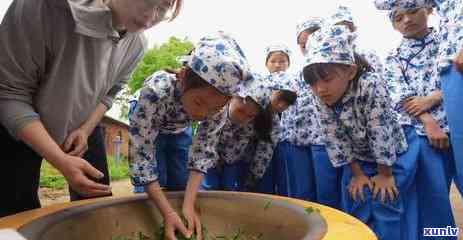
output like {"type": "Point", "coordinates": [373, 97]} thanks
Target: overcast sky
{"type": "Point", "coordinates": [258, 23]}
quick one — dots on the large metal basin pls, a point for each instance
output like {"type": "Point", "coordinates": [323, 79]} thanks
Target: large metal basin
{"type": "Point", "coordinates": [223, 213]}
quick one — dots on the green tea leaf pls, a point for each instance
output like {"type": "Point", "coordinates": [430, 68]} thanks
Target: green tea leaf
{"type": "Point", "coordinates": [267, 205]}
{"type": "Point", "coordinates": [310, 210]}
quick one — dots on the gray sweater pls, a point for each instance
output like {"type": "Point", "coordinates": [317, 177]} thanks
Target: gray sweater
{"type": "Point", "coordinates": [58, 60]}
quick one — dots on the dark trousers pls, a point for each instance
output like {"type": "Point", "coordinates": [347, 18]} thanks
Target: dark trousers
{"type": "Point", "coordinates": [20, 176]}
{"type": "Point", "coordinates": [96, 156]}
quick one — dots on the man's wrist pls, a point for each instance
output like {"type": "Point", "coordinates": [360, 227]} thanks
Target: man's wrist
{"type": "Point", "coordinates": [87, 129]}
{"type": "Point", "coordinates": [57, 160]}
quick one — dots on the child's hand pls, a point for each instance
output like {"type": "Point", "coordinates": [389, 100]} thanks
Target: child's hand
{"type": "Point", "coordinates": [384, 184]}
{"type": "Point", "coordinates": [356, 185]}
{"type": "Point", "coordinates": [458, 61]}
{"type": "Point", "coordinates": [193, 221]}
{"type": "Point", "coordinates": [416, 106]}
{"type": "Point", "coordinates": [436, 136]}
{"type": "Point", "coordinates": [174, 223]}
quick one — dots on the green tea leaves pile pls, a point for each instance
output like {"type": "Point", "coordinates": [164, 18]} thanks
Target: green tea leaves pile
{"type": "Point", "coordinates": [239, 234]}
{"type": "Point", "coordinates": [159, 235]}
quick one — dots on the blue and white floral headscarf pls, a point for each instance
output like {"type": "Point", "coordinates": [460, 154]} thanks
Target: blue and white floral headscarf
{"type": "Point", "coordinates": [393, 5]}
{"type": "Point", "coordinates": [342, 14]}
{"type": "Point", "coordinates": [282, 81]}
{"type": "Point", "coordinates": [313, 22]}
{"type": "Point", "coordinates": [332, 44]}
{"type": "Point", "coordinates": [277, 48]}
{"type": "Point", "coordinates": [219, 60]}
{"type": "Point", "coordinates": [402, 4]}
{"type": "Point", "coordinates": [258, 89]}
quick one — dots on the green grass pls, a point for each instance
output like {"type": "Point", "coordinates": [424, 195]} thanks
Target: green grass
{"type": "Point", "coordinates": [52, 178]}
{"type": "Point", "coordinates": [194, 126]}
{"type": "Point", "coordinates": [118, 172]}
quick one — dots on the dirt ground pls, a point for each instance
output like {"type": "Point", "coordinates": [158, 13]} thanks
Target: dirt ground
{"type": "Point", "coordinates": [49, 196]}
{"type": "Point", "coordinates": [124, 188]}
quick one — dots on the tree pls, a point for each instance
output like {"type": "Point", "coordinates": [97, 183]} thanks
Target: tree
{"type": "Point", "coordinates": [159, 58]}
{"type": "Point", "coordinates": [155, 59]}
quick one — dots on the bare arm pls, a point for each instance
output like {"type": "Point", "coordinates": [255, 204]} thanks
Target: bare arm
{"type": "Point", "coordinates": [35, 135]}
{"type": "Point", "coordinates": [156, 194]}
{"type": "Point", "coordinates": [192, 218]}
{"type": "Point", "coordinates": [192, 188]}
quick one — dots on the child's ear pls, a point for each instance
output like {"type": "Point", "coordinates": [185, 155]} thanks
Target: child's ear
{"type": "Point", "coordinates": [353, 71]}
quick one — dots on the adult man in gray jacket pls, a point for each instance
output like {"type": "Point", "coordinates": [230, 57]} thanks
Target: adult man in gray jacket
{"type": "Point", "coordinates": [61, 64]}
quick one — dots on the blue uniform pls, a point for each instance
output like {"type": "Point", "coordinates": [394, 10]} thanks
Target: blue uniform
{"type": "Point", "coordinates": [451, 37]}
{"type": "Point", "coordinates": [410, 72]}
{"type": "Point", "coordinates": [226, 171]}
{"type": "Point", "coordinates": [362, 127]}
{"type": "Point", "coordinates": [450, 44]}
{"type": "Point", "coordinates": [221, 145]}
{"type": "Point", "coordinates": [160, 134]}
{"type": "Point", "coordinates": [305, 169]}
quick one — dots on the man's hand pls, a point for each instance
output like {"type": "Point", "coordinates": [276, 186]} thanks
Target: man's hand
{"type": "Point", "coordinates": [77, 172]}
{"type": "Point", "coordinates": [76, 144]}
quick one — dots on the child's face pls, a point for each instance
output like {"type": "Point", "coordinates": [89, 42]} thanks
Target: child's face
{"type": "Point", "coordinates": [278, 105]}
{"type": "Point", "coordinates": [200, 103]}
{"type": "Point", "coordinates": [277, 62]}
{"type": "Point", "coordinates": [412, 23]}
{"type": "Point", "coordinates": [243, 111]}
{"type": "Point", "coordinates": [139, 15]}
{"type": "Point", "coordinates": [332, 88]}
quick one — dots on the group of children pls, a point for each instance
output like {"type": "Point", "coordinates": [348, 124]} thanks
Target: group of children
{"type": "Point", "coordinates": [380, 141]}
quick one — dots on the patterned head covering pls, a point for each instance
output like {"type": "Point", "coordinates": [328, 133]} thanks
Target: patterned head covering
{"type": "Point", "coordinates": [258, 89]}
{"type": "Point", "coordinates": [219, 60]}
{"type": "Point", "coordinates": [402, 4]}
{"type": "Point", "coordinates": [277, 48]}
{"type": "Point", "coordinates": [282, 81]}
{"type": "Point", "coordinates": [393, 5]}
{"type": "Point", "coordinates": [313, 22]}
{"type": "Point", "coordinates": [332, 44]}
{"type": "Point", "coordinates": [342, 14]}
{"type": "Point", "coordinates": [183, 60]}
